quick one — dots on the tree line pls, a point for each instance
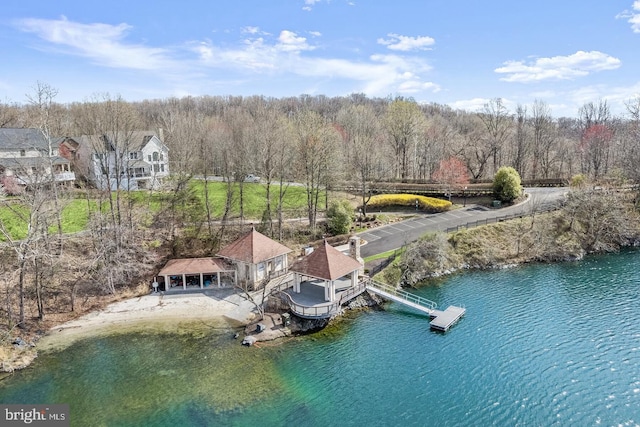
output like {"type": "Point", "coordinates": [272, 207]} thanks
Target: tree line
{"type": "Point", "coordinates": [317, 141]}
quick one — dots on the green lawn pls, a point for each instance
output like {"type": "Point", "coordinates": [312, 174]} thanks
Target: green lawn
{"type": "Point", "coordinates": [76, 212]}
{"type": "Point", "coordinates": [254, 198]}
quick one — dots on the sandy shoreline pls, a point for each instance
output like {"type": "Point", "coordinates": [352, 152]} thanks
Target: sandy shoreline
{"type": "Point", "coordinates": [154, 312]}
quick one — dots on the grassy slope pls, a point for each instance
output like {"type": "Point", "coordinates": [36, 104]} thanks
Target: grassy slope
{"type": "Point", "coordinates": [76, 212]}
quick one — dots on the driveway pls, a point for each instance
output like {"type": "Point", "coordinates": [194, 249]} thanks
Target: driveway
{"type": "Point", "coordinates": [394, 236]}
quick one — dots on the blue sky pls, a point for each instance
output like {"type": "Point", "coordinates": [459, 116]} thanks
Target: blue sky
{"type": "Point", "coordinates": [456, 52]}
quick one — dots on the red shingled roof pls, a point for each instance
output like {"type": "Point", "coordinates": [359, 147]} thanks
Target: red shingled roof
{"type": "Point", "coordinates": [253, 248]}
{"type": "Point", "coordinates": [177, 267]}
{"type": "Point", "coordinates": [326, 263]}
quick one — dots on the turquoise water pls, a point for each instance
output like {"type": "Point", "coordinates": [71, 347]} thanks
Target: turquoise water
{"type": "Point", "coordinates": [540, 345]}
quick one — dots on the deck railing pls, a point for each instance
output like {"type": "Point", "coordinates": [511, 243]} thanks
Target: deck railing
{"type": "Point", "coordinates": [401, 293]}
{"type": "Point", "coordinates": [316, 311]}
{"type": "Point", "coordinates": [324, 310]}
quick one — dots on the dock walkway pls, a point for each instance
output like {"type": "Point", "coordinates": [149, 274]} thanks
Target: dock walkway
{"type": "Point", "coordinates": [441, 320]}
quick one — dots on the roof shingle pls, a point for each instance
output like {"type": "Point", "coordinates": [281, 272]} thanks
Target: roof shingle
{"type": "Point", "coordinates": [177, 267]}
{"type": "Point", "coordinates": [253, 248]}
{"type": "Point", "coordinates": [326, 263]}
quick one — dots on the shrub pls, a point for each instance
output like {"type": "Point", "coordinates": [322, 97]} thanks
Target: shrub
{"type": "Point", "coordinates": [506, 184]}
{"type": "Point", "coordinates": [578, 181]}
{"type": "Point", "coordinates": [339, 217]}
{"type": "Point", "coordinates": [429, 204]}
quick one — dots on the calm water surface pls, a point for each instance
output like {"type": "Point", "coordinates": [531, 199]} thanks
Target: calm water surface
{"type": "Point", "coordinates": [539, 346]}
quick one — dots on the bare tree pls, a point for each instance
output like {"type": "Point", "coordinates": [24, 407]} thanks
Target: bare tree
{"type": "Point", "coordinates": [473, 150]}
{"type": "Point", "coordinates": [316, 142]}
{"type": "Point", "coordinates": [403, 121]}
{"type": "Point", "coordinates": [270, 134]}
{"type": "Point", "coordinates": [544, 136]}
{"type": "Point", "coordinates": [8, 115]}
{"type": "Point", "coordinates": [497, 123]}
{"type": "Point", "coordinates": [42, 102]}
{"type": "Point", "coordinates": [594, 145]}
{"type": "Point", "coordinates": [363, 136]}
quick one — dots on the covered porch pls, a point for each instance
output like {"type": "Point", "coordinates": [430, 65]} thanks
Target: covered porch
{"type": "Point", "coordinates": [195, 274]}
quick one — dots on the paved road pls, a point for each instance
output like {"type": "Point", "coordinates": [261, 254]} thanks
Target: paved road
{"type": "Point", "coordinates": [396, 235]}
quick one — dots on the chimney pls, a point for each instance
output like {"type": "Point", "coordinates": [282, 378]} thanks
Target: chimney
{"type": "Point", "coordinates": [354, 252]}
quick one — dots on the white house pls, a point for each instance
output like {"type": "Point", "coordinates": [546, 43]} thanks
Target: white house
{"type": "Point", "coordinates": [27, 156]}
{"type": "Point", "coordinates": [128, 160]}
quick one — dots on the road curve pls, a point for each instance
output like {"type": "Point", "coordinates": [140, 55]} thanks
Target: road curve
{"type": "Point", "coordinates": [396, 235]}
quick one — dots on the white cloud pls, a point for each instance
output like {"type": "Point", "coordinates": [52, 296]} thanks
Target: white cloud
{"type": "Point", "coordinates": [102, 43]}
{"type": "Point", "coordinates": [258, 56]}
{"type": "Point", "coordinates": [291, 42]}
{"type": "Point", "coordinates": [407, 43]}
{"type": "Point", "coordinates": [315, 33]}
{"type": "Point", "coordinates": [567, 67]}
{"type": "Point", "coordinates": [474, 104]}
{"type": "Point", "coordinates": [309, 4]}
{"type": "Point", "coordinates": [379, 76]}
{"type": "Point", "coordinates": [633, 16]}
{"type": "Point", "coordinates": [250, 30]}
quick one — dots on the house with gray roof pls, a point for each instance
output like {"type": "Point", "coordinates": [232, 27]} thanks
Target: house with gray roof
{"type": "Point", "coordinates": [127, 160]}
{"type": "Point", "coordinates": [29, 157]}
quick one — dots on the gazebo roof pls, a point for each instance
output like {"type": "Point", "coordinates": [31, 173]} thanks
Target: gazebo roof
{"type": "Point", "coordinates": [253, 248]}
{"type": "Point", "coordinates": [326, 263]}
{"type": "Point", "coordinates": [177, 267]}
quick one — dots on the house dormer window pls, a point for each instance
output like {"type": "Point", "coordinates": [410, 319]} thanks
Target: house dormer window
{"type": "Point", "coordinates": [133, 155]}
{"type": "Point", "coordinates": [23, 153]}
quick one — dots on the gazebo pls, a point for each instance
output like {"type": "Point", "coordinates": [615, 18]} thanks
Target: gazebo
{"type": "Point", "coordinates": [326, 265]}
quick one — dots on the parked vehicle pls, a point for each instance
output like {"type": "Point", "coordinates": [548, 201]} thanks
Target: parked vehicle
{"type": "Point", "coordinates": [251, 178]}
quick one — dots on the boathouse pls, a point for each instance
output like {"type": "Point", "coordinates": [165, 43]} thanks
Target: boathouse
{"type": "Point", "coordinates": [255, 258]}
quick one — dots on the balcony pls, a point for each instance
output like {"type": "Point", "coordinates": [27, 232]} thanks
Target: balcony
{"type": "Point", "coordinates": [65, 176]}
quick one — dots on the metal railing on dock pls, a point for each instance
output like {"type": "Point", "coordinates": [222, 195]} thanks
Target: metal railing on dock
{"type": "Point", "coordinates": [402, 294]}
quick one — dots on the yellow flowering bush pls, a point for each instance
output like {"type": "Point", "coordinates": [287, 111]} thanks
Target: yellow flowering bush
{"type": "Point", "coordinates": [429, 204]}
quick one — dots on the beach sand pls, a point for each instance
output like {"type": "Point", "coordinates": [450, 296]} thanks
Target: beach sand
{"type": "Point", "coordinates": [155, 313]}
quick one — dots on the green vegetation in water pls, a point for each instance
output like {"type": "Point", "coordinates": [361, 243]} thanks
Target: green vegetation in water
{"type": "Point", "coordinates": [137, 376]}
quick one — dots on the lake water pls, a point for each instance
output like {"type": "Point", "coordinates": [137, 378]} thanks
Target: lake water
{"type": "Point", "coordinates": [540, 345]}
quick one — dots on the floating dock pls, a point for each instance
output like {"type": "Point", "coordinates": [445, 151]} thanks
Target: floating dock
{"type": "Point", "coordinates": [443, 320]}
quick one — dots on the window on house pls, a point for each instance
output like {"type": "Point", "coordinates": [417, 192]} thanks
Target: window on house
{"type": "Point", "coordinates": [149, 157]}
{"type": "Point", "coordinates": [22, 153]}
{"type": "Point", "coordinates": [155, 156]}
{"type": "Point", "coordinates": [133, 155]}
{"type": "Point", "coordinates": [156, 168]}
{"type": "Point", "coordinates": [162, 167]}
{"type": "Point", "coordinates": [161, 157]}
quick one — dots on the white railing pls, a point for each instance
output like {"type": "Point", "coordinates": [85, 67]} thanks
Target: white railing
{"type": "Point", "coordinates": [328, 309]}
{"type": "Point", "coordinates": [65, 176]}
{"type": "Point", "coordinates": [402, 294]}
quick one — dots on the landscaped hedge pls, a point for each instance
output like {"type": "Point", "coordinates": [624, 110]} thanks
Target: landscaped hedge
{"type": "Point", "coordinates": [429, 204]}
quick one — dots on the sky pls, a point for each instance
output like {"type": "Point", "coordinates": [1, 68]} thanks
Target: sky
{"type": "Point", "coordinates": [462, 53]}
